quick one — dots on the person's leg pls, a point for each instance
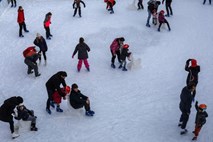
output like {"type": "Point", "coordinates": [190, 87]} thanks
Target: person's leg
{"type": "Point", "coordinates": [197, 130]}
{"type": "Point", "coordinates": [148, 18]}
{"type": "Point", "coordinates": [20, 30]}
{"type": "Point", "coordinates": [124, 66]}
{"type": "Point", "coordinates": [50, 93]}
{"type": "Point", "coordinates": [44, 54]}
{"type": "Point", "coordinates": [185, 118]}
{"type": "Point", "coordinates": [79, 64]}
{"type": "Point", "coordinates": [204, 1]}
{"type": "Point", "coordinates": [39, 56]}
{"type": "Point", "coordinates": [75, 11]}
{"type": "Point", "coordinates": [170, 8]}
{"type": "Point", "coordinates": [86, 64]}
{"type": "Point", "coordinates": [159, 26]}
{"type": "Point", "coordinates": [113, 59]}
{"type": "Point", "coordinates": [167, 24]}
{"type": "Point", "coordinates": [11, 126]}
{"type": "Point", "coordinates": [79, 11]}
{"type": "Point", "coordinates": [48, 32]}
{"type": "Point", "coordinates": [118, 55]}
{"type": "Point", "coordinates": [25, 28]}
{"type": "Point", "coordinates": [167, 9]}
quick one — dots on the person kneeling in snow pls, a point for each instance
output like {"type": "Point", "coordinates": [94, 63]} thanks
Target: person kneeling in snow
{"type": "Point", "coordinates": [78, 100]}
{"type": "Point", "coordinates": [162, 19]}
{"type": "Point", "coordinates": [57, 97]}
{"type": "Point", "coordinates": [26, 115]}
{"type": "Point", "coordinates": [124, 53]}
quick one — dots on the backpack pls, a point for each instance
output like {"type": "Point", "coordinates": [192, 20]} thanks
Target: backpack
{"type": "Point", "coordinates": [29, 51]}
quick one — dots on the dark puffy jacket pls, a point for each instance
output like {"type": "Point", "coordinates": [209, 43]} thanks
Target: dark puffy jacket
{"type": "Point", "coordinates": [76, 3]}
{"type": "Point", "coordinates": [124, 54]}
{"type": "Point", "coordinates": [193, 73]}
{"type": "Point", "coordinates": [41, 43]}
{"type": "Point", "coordinates": [33, 58]}
{"type": "Point", "coordinates": [54, 83]}
{"type": "Point", "coordinates": [82, 49]}
{"type": "Point", "coordinates": [153, 5]}
{"type": "Point", "coordinates": [185, 100]}
{"type": "Point", "coordinates": [23, 113]}
{"type": "Point", "coordinates": [77, 99]}
{"type": "Point", "coordinates": [8, 108]}
{"type": "Point", "coordinates": [200, 116]}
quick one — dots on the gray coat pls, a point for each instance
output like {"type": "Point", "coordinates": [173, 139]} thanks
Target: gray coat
{"type": "Point", "coordinates": [82, 49]}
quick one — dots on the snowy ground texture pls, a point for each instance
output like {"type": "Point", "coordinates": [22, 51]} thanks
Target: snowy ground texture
{"type": "Point", "coordinates": [140, 105]}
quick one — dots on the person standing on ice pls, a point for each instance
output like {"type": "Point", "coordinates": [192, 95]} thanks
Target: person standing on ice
{"type": "Point", "coordinates": [152, 6]}
{"type": "Point", "coordinates": [193, 71]}
{"type": "Point", "coordinates": [168, 7]}
{"type": "Point", "coordinates": [78, 100]}
{"type": "Point", "coordinates": [162, 20]}
{"type": "Point", "coordinates": [110, 4]}
{"type": "Point", "coordinates": [204, 1]}
{"type": "Point", "coordinates": [124, 54]}
{"type": "Point", "coordinates": [115, 50]}
{"type": "Point", "coordinates": [41, 43]}
{"type": "Point", "coordinates": [47, 22]}
{"type": "Point", "coordinates": [21, 21]}
{"type": "Point", "coordinates": [7, 112]}
{"type": "Point", "coordinates": [52, 85]}
{"type": "Point", "coordinates": [82, 48]}
{"type": "Point", "coordinates": [13, 3]}
{"type": "Point", "coordinates": [77, 6]}
{"type": "Point", "coordinates": [185, 106]}
{"type": "Point", "coordinates": [140, 4]}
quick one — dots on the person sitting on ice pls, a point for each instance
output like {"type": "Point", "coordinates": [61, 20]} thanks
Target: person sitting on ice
{"type": "Point", "coordinates": [78, 100]}
{"type": "Point", "coordinates": [57, 98]}
{"type": "Point", "coordinates": [26, 115]}
{"type": "Point", "coordinates": [124, 53]}
{"type": "Point", "coordinates": [162, 20]}
{"type": "Point", "coordinates": [110, 4]}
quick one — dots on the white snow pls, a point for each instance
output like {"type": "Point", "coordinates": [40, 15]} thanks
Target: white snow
{"type": "Point", "coordinates": [140, 105]}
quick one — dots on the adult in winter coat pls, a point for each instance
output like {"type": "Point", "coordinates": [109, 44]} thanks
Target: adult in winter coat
{"type": "Point", "coordinates": [82, 48]}
{"type": "Point", "coordinates": [26, 115]}
{"type": "Point", "coordinates": [21, 21]}
{"type": "Point", "coordinates": [78, 100]}
{"type": "Point", "coordinates": [13, 3]}
{"type": "Point", "coordinates": [140, 4]}
{"type": "Point", "coordinates": [52, 85]}
{"type": "Point", "coordinates": [30, 61]}
{"type": "Point", "coordinates": [152, 7]}
{"type": "Point", "coordinates": [124, 54]}
{"type": "Point", "coordinates": [200, 119]}
{"type": "Point", "coordinates": [41, 43]}
{"type": "Point", "coordinates": [77, 6]}
{"type": "Point", "coordinates": [168, 7]}
{"type": "Point", "coordinates": [115, 50]}
{"type": "Point", "coordinates": [204, 1]}
{"type": "Point", "coordinates": [185, 106]}
{"type": "Point", "coordinates": [162, 20]}
{"type": "Point", "coordinates": [7, 112]}
{"type": "Point", "coordinates": [193, 71]}
{"type": "Point", "coordinates": [47, 22]}
{"type": "Point", "coordinates": [110, 4]}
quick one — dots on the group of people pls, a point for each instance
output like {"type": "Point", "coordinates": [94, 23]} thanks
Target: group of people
{"type": "Point", "coordinates": [187, 96]}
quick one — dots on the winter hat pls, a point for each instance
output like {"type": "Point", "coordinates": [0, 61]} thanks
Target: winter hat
{"type": "Point", "coordinates": [74, 86]}
{"type": "Point", "coordinates": [126, 46]}
{"type": "Point", "coordinates": [64, 74]}
{"type": "Point", "coordinates": [202, 106]}
{"type": "Point", "coordinates": [38, 35]}
{"type": "Point", "coordinates": [122, 39]}
{"type": "Point", "coordinates": [19, 100]}
{"type": "Point", "coordinates": [81, 40]}
{"type": "Point", "coordinates": [193, 63]}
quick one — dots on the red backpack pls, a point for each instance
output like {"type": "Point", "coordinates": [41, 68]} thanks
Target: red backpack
{"type": "Point", "coordinates": [29, 51]}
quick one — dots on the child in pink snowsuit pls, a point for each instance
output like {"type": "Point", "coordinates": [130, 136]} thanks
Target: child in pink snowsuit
{"type": "Point", "coordinates": [82, 49]}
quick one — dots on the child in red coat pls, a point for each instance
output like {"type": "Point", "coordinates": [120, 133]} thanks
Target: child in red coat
{"type": "Point", "coordinates": [21, 21]}
{"type": "Point", "coordinates": [57, 97]}
{"type": "Point", "coordinates": [162, 19]}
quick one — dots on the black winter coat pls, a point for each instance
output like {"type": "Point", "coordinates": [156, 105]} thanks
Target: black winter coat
{"type": "Point", "coordinates": [76, 98]}
{"type": "Point", "coordinates": [41, 43]}
{"type": "Point", "coordinates": [153, 5]}
{"type": "Point", "coordinates": [23, 113]}
{"type": "Point", "coordinates": [8, 108]}
{"type": "Point", "coordinates": [200, 116]}
{"type": "Point", "coordinates": [33, 58]}
{"type": "Point", "coordinates": [124, 54]}
{"type": "Point", "coordinates": [77, 4]}
{"type": "Point", "coordinates": [82, 49]}
{"type": "Point", "coordinates": [54, 83]}
{"type": "Point", "coordinates": [185, 100]}
{"type": "Point", "coordinates": [193, 73]}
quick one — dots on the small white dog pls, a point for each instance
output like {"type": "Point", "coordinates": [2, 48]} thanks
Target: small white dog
{"type": "Point", "coordinates": [134, 63]}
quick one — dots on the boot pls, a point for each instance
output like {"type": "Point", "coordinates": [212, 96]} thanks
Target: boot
{"type": "Point", "coordinates": [15, 135]}
{"type": "Point", "coordinates": [52, 104]}
{"type": "Point", "coordinates": [124, 69]}
{"type": "Point", "coordinates": [88, 113]}
{"type": "Point", "coordinates": [184, 131]}
{"type": "Point", "coordinates": [120, 67]}
{"type": "Point", "coordinates": [58, 109]}
{"type": "Point", "coordinates": [194, 138]}
{"type": "Point", "coordinates": [113, 66]}
{"type": "Point", "coordinates": [33, 127]}
{"type": "Point", "coordinates": [88, 69]}
{"type": "Point", "coordinates": [48, 111]}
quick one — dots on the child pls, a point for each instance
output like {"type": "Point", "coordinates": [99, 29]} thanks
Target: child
{"type": "Point", "coordinates": [78, 100]}
{"type": "Point", "coordinates": [82, 48]}
{"type": "Point", "coordinates": [47, 22]}
{"type": "Point", "coordinates": [200, 119]}
{"type": "Point", "coordinates": [26, 115]}
{"type": "Point", "coordinates": [77, 6]}
{"type": "Point", "coordinates": [57, 97]}
{"type": "Point", "coordinates": [154, 17]}
{"type": "Point", "coordinates": [124, 54]}
{"type": "Point", "coordinates": [161, 19]}
{"type": "Point", "coordinates": [110, 4]}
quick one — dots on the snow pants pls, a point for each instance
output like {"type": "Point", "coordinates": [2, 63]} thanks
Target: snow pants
{"type": "Point", "coordinates": [80, 64]}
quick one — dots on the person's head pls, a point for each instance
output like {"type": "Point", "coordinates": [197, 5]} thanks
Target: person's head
{"type": "Point", "coordinates": [20, 8]}
{"type": "Point", "coordinates": [75, 87]}
{"type": "Point", "coordinates": [162, 12]}
{"type": "Point", "coordinates": [81, 40]}
{"type": "Point", "coordinates": [202, 107]}
{"type": "Point", "coordinates": [49, 14]}
{"type": "Point", "coordinates": [19, 100]}
{"type": "Point", "coordinates": [38, 35]}
{"type": "Point", "coordinates": [193, 63]}
{"type": "Point", "coordinates": [63, 74]}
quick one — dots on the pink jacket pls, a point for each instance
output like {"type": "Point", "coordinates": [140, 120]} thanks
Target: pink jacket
{"type": "Point", "coordinates": [114, 46]}
{"type": "Point", "coordinates": [47, 23]}
{"type": "Point", "coordinates": [161, 18]}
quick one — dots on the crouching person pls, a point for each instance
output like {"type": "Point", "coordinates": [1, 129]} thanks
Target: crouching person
{"type": "Point", "coordinates": [57, 98]}
{"type": "Point", "coordinates": [26, 115]}
{"type": "Point", "coordinates": [78, 100]}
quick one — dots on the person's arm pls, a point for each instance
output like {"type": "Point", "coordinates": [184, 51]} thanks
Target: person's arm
{"type": "Point", "coordinates": [83, 3]}
{"type": "Point", "coordinates": [75, 51]}
{"type": "Point", "coordinates": [187, 65]}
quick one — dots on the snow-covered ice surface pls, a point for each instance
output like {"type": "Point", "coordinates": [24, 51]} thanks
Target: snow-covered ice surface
{"type": "Point", "coordinates": [140, 105]}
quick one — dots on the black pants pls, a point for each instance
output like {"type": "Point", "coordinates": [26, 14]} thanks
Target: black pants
{"type": "Point", "coordinates": [184, 118]}
{"type": "Point", "coordinates": [47, 29]}
{"type": "Point", "coordinates": [140, 5]}
{"type": "Point", "coordinates": [21, 26]}
{"type": "Point", "coordinates": [205, 1]}
{"type": "Point", "coordinates": [169, 8]}
{"type": "Point", "coordinates": [44, 54]}
{"type": "Point", "coordinates": [79, 11]}
{"type": "Point", "coordinates": [13, 2]}
{"type": "Point", "coordinates": [85, 105]}
{"type": "Point", "coordinates": [50, 98]}
{"type": "Point", "coordinates": [31, 66]}
{"type": "Point", "coordinates": [114, 56]}
{"type": "Point", "coordinates": [165, 21]}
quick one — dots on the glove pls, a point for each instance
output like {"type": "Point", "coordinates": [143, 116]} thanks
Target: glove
{"type": "Point", "coordinates": [72, 56]}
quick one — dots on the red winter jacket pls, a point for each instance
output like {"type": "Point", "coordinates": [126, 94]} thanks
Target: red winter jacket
{"type": "Point", "coordinates": [47, 22]}
{"type": "Point", "coordinates": [114, 46]}
{"type": "Point", "coordinates": [161, 18]}
{"type": "Point", "coordinates": [20, 18]}
{"type": "Point", "coordinates": [57, 97]}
